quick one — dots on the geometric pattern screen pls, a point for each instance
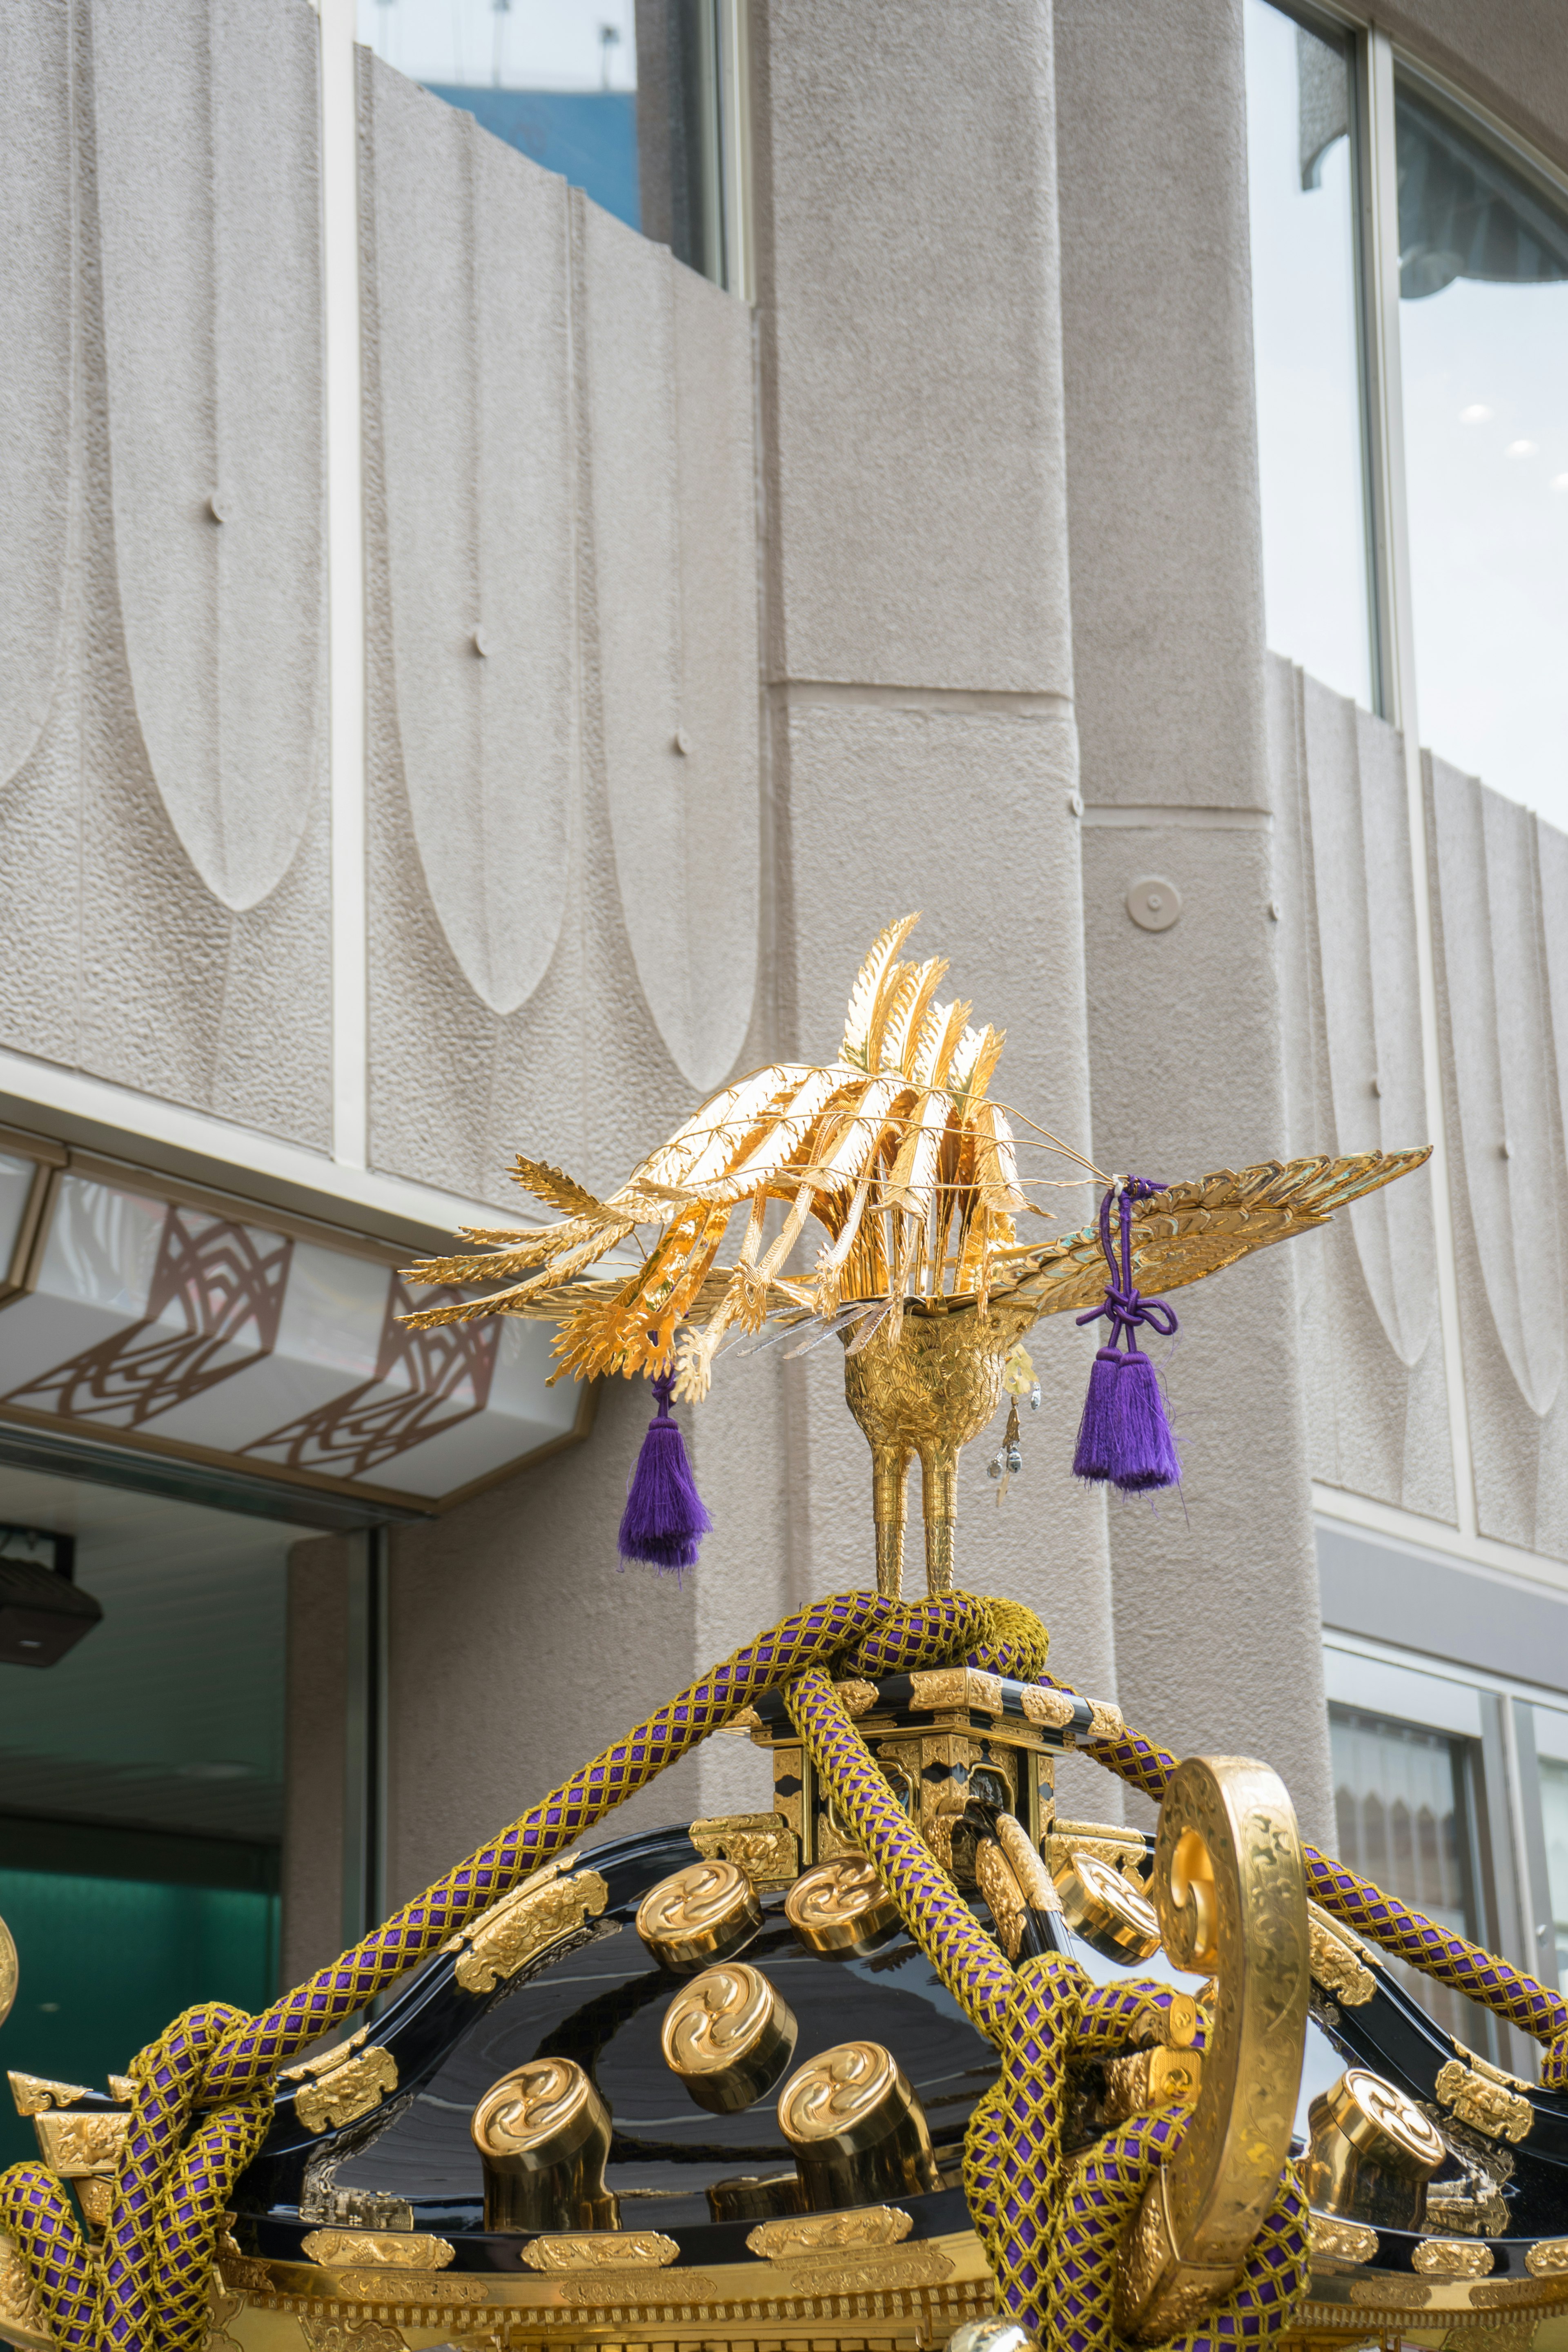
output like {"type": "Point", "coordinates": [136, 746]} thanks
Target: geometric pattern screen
{"type": "Point", "coordinates": [193, 1331]}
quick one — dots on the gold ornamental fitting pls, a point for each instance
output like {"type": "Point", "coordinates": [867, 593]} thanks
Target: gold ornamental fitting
{"type": "Point", "coordinates": [755, 2197]}
{"type": "Point", "coordinates": [841, 1907]}
{"type": "Point", "coordinates": [1371, 2153]}
{"type": "Point", "coordinates": [858, 2130]}
{"type": "Point", "coordinates": [707, 1912]}
{"type": "Point", "coordinates": [1099, 1905]}
{"type": "Point", "coordinates": [729, 2037]}
{"type": "Point", "coordinates": [543, 2134]}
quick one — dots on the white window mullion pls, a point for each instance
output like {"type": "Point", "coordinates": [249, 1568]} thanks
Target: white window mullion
{"type": "Point", "coordinates": [1380, 200]}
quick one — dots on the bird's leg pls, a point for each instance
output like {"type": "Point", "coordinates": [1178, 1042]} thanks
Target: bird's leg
{"type": "Point", "coordinates": [890, 1505]}
{"type": "Point", "coordinates": [938, 1502]}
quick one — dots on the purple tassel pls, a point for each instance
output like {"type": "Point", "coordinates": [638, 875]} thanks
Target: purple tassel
{"type": "Point", "coordinates": [1124, 1439]}
{"type": "Point", "coordinates": [665, 1519]}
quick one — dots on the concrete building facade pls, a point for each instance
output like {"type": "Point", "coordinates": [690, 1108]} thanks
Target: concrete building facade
{"type": "Point", "coordinates": [470, 682]}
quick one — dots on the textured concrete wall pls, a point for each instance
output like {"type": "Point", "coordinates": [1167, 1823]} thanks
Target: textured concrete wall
{"type": "Point", "coordinates": [1377, 1406]}
{"type": "Point", "coordinates": [163, 813]}
{"type": "Point", "coordinates": [565, 826]}
{"type": "Point", "coordinates": [1499, 881]}
{"type": "Point", "coordinates": [918, 647]}
{"type": "Point", "coordinates": [520, 1646]}
{"type": "Point", "coordinates": [1216, 1606]}
{"type": "Point", "coordinates": [314, 1761]}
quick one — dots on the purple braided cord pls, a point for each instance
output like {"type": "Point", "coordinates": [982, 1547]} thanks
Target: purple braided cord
{"type": "Point", "coordinates": [1123, 1304]}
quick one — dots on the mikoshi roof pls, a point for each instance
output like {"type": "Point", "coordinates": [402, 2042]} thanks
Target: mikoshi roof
{"type": "Point", "coordinates": [898, 1148]}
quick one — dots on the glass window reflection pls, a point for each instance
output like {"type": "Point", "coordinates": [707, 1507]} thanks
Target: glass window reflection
{"type": "Point", "coordinates": [1483, 317]}
{"type": "Point", "coordinates": [620, 97]}
{"type": "Point", "coordinates": [1306, 349]}
{"type": "Point", "coordinates": [1402, 1817]}
{"type": "Point", "coordinates": [1554, 1823]}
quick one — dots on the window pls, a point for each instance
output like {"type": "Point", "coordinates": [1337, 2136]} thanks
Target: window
{"type": "Point", "coordinates": [622, 96]}
{"type": "Point", "coordinates": [1414, 529]}
{"type": "Point", "coordinates": [1552, 1735]}
{"type": "Point", "coordinates": [1402, 1817]}
{"type": "Point", "coordinates": [141, 1777]}
{"type": "Point", "coordinates": [1306, 341]}
{"type": "Point", "coordinates": [1483, 342]}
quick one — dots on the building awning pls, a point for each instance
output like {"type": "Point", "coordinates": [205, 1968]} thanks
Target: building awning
{"type": "Point", "coordinates": [141, 1310]}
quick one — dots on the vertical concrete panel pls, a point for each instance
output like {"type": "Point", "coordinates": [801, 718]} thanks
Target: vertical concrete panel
{"type": "Point", "coordinates": [207, 144]}
{"type": "Point", "coordinates": [1510, 1202]}
{"type": "Point", "coordinates": [1376, 1396]}
{"type": "Point", "coordinates": [563, 925]}
{"type": "Point", "coordinates": [472, 362]}
{"type": "Point", "coordinates": [191, 963]}
{"type": "Point", "coordinates": [1167, 569]}
{"type": "Point", "coordinates": [669, 441]}
{"type": "Point", "coordinates": [1187, 1059]}
{"type": "Point", "coordinates": [316, 1686]}
{"type": "Point", "coordinates": [922, 744]}
{"type": "Point", "coordinates": [906, 251]}
{"type": "Point", "coordinates": [36, 271]}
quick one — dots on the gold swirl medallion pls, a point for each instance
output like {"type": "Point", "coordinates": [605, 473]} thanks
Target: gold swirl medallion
{"type": "Point", "coordinates": [10, 1973]}
{"type": "Point", "coordinates": [841, 1906]}
{"type": "Point", "coordinates": [857, 2129]}
{"type": "Point", "coordinates": [1372, 2153]}
{"type": "Point", "coordinates": [1100, 1905]}
{"type": "Point", "coordinates": [728, 2036]}
{"type": "Point", "coordinates": [706, 1912]}
{"type": "Point", "coordinates": [543, 2134]}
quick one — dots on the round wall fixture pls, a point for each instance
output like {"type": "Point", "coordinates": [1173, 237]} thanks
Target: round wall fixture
{"type": "Point", "coordinates": [1153, 903]}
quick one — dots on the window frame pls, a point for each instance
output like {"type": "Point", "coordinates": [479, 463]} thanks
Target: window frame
{"type": "Point", "coordinates": [1373, 59]}
{"type": "Point", "coordinates": [1505, 1825]}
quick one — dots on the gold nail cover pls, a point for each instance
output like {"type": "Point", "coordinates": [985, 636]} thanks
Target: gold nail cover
{"type": "Point", "coordinates": [705, 1913]}
{"type": "Point", "coordinates": [543, 2134]}
{"type": "Point", "coordinates": [728, 2036]}
{"type": "Point", "coordinates": [1099, 1905]}
{"type": "Point", "coordinates": [841, 1907]}
{"type": "Point", "coordinates": [1372, 2153]}
{"type": "Point", "coordinates": [858, 2130]}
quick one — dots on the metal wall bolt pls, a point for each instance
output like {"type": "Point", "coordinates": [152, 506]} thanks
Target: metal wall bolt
{"type": "Point", "coordinates": [1154, 903]}
{"type": "Point", "coordinates": [680, 741]}
{"type": "Point", "coordinates": [480, 643]}
{"type": "Point", "coordinates": [218, 506]}
{"type": "Point", "coordinates": [1075, 803]}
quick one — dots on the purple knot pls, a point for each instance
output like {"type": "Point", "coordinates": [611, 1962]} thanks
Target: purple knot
{"type": "Point", "coordinates": [1124, 1438]}
{"type": "Point", "coordinates": [663, 1387]}
{"type": "Point", "coordinates": [1125, 1304]}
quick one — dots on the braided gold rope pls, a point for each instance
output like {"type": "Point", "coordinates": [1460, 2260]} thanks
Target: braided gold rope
{"type": "Point", "coordinates": [1050, 2227]}
{"type": "Point", "coordinates": [148, 2290]}
{"type": "Point", "coordinates": [1382, 1920]}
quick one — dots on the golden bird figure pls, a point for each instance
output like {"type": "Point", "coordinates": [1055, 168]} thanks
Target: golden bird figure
{"type": "Point", "coordinates": [899, 1151]}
